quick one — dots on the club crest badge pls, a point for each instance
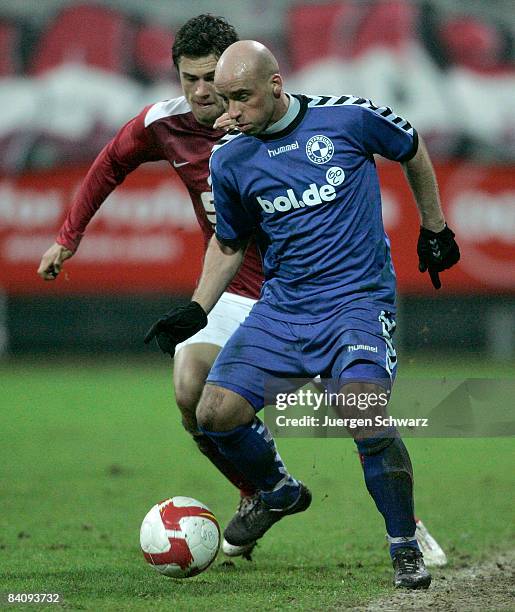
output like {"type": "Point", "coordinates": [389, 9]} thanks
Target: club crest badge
{"type": "Point", "coordinates": [319, 149]}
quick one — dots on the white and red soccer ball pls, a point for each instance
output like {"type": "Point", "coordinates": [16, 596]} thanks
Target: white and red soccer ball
{"type": "Point", "coordinates": [180, 537]}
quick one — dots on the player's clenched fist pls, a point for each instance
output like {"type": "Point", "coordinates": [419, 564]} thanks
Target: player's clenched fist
{"type": "Point", "coordinates": [224, 122]}
{"type": "Point", "coordinates": [178, 324]}
{"type": "Point", "coordinates": [437, 251]}
{"type": "Point", "coordinates": [52, 261]}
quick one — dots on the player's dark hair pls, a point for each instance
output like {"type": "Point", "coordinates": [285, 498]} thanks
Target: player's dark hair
{"type": "Point", "coordinates": [202, 36]}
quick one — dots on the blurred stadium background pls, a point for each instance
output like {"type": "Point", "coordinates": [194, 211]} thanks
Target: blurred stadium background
{"type": "Point", "coordinates": [71, 73]}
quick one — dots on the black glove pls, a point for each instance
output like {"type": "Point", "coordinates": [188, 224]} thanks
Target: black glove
{"type": "Point", "coordinates": [437, 251]}
{"type": "Point", "coordinates": [179, 324]}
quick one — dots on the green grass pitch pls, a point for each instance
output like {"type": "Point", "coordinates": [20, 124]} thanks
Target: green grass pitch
{"type": "Point", "coordinates": [86, 448]}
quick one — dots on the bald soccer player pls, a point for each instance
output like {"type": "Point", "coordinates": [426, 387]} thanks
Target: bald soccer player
{"type": "Point", "coordinates": [298, 176]}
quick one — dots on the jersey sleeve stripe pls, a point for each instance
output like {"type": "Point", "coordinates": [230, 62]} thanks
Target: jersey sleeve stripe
{"type": "Point", "coordinates": [323, 100]}
{"type": "Point", "coordinates": [225, 139]}
{"type": "Point", "coordinates": [347, 100]}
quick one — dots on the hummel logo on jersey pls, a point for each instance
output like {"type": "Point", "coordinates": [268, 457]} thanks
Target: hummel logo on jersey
{"type": "Point", "coordinates": [311, 197]}
{"type": "Point", "coordinates": [284, 149]}
{"type": "Point", "coordinates": [361, 347]}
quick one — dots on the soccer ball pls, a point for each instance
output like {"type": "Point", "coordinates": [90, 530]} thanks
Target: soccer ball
{"type": "Point", "coordinates": [180, 537]}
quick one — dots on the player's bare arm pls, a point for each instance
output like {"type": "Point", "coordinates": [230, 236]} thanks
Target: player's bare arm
{"type": "Point", "coordinates": [123, 154]}
{"type": "Point", "coordinates": [221, 264]}
{"type": "Point", "coordinates": [437, 250]}
{"type": "Point", "coordinates": [52, 261]}
{"type": "Point", "coordinates": [421, 177]}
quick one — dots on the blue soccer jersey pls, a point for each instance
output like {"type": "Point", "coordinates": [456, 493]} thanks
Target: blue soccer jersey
{"type": "Point", "coordinates": [310, 195]}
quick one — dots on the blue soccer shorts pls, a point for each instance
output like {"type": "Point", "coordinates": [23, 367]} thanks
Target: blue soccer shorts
{"type": "Point", "coordinates": [354, 345]}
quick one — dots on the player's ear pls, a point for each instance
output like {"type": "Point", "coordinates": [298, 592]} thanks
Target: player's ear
{"type": "Point", "coordinates": [277, 85]}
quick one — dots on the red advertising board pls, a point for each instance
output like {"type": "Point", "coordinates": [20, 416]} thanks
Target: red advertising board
{"type": "Point", "coordinates": [479, 205]}
{"type": "Point", "coordinates": [145, 237]}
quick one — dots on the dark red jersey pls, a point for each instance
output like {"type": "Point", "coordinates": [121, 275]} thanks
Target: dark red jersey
{"type": "Point", "coordinates": [164, 131]}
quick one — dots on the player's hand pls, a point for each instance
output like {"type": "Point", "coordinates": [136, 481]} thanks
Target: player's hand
{"type": "Point", "coordinates": [52, 261]}
{"type": "Point", "coordinates": [178, 324]}
{"type": "Point", "coordinates": [225, 123]}
{"type": "Point", "coordinates": [437, 251]}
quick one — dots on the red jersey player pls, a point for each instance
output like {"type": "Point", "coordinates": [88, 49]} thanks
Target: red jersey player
{"type": "Point", "coordinates": [179, 131]}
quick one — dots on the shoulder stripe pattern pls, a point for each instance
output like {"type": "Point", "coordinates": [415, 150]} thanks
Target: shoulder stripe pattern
{"type": "Point", "coordinates": [230, 136]}
{"type": "Point", "coordinates": [167, 108]}
{"type": "Point", "coordinates": [384, 111]}
{"type": "Point", "coordinates": [323, 100]}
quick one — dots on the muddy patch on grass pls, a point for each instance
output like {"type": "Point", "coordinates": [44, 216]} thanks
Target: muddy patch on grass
{"type": "Point", "coordinates": [476, 588]}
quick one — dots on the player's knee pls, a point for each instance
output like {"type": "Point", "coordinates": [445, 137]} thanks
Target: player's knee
{"type": "Point", "coordinates": [218, 410]}
{"type": "Point", "coordinates": [209, 409]}
{"type": "Point", "coordinates": [188, 383]}
{"type": "Point", "coordinates": [191, 367]}
{"type": "Point", "coordinates": [187, 395]}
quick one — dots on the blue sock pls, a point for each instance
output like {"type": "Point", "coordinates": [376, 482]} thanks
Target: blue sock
{"type": "Point", "coordinates": [402, 543]}
{"type": "Point", "coordinates": [389, 479]}
{"type": "Point", "coordinates": [252, 449]}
